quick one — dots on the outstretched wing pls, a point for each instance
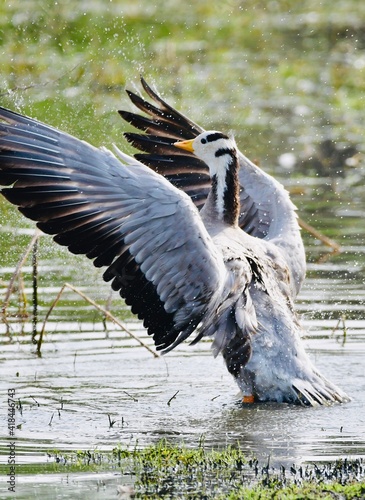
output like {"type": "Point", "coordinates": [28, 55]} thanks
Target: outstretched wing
{"type": "Point", "coordinates": [266, 211]}
{"type": "Point", "coordinates": [163, 126]}
{"type": "Point", "coordinates": [147, 233]}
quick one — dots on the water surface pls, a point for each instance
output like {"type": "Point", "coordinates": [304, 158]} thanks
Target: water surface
{"type": "Point", "coordinates": [91, 372]}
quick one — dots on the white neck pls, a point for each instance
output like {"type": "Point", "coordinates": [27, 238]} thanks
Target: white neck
{"type": "Point", "coordinates": [225, 189]}
{"type": "Point", "coordinates": [220, 188]}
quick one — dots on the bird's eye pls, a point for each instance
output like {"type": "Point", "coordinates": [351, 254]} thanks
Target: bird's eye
{"type": "Point", "coordinates": [203, 141]}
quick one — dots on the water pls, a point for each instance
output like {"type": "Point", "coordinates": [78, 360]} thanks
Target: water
{"type": "Point", "coordinates": [83, 378]}
{"type": "Point", "coordinates": [92, 374]}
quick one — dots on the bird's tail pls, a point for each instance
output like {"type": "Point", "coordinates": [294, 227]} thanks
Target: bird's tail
{"type": "Point", "coordinates": [318, 391]}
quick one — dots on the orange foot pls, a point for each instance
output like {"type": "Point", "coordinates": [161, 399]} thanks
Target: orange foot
{"type": "Point", "coordinates": [248, 399]}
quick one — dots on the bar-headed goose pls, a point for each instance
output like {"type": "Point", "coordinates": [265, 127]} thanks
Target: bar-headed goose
{"type": "Point", "coordinates": [229, 271]}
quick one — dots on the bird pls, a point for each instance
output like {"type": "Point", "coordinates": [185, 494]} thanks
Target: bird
{"type": "Point", "coordinates": [198, 241]}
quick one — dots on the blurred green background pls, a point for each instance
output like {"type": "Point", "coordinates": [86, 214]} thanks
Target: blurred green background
{"type": "Point", "coordinates": [282, 75]}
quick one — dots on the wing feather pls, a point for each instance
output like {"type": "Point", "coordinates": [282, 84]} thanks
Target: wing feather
{"type": "Point", "coordinates": [127, 218]}
{"type": "Point", "coordinates": [162, 127]}
{"type": "Point", "coordinates": [266, 211]}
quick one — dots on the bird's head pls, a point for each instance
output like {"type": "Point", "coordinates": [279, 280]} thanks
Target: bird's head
{"type": "Point", "coordinates": [219, 153]}
{"type": "Point", "coordinates": [215, 149]}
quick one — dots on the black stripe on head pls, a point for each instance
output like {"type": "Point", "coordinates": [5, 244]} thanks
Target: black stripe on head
{"type": "Point", "coordinates": [215, 136]}
{"type": "Point", "coordinates": [224, 151]}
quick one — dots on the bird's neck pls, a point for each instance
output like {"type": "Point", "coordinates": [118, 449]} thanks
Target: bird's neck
{"type": "Point", "coordinates": [224, 195]}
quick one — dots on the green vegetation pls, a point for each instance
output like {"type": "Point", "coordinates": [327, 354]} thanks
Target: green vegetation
{"type": "Point", "coordinates": [293, 68]}
{"type": "Point", "coordinates": [165, 470]}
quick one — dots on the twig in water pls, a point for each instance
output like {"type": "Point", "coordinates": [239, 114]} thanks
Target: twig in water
{"type": "Point", "coordinates": [22, 300]}
{"type": "Point", "coordinates": [107, 308]}
{"type": "Point", "coordinates": [97, 306]}
{"type": "Point", "coordinates": [50, 422]}
{"type": "Point", "coordinates": [344, 328]}
{"type": "Point", "coordinates": [35, 289]}
{"type": "Point", "coordinates": [40, 338]}
{"type": "Point", "coordinates": [34, 399]}
{"type": "Point", "coordinates": [167, 367]}
{"type": "Point", "coordinates": [17, 271]}
{"type": "Point", "coordinates": [130, 396]}
{"type": "Point", "coordinates": [201, 441]}
{"type": "Point", "coordinates": [173, 397]}
{"type": "Point", "coordinates": [111, 422]}
{"type": "Point", "coordinates": [20, 407]}
{"type": "Point", "coordinates": [336, 249]}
